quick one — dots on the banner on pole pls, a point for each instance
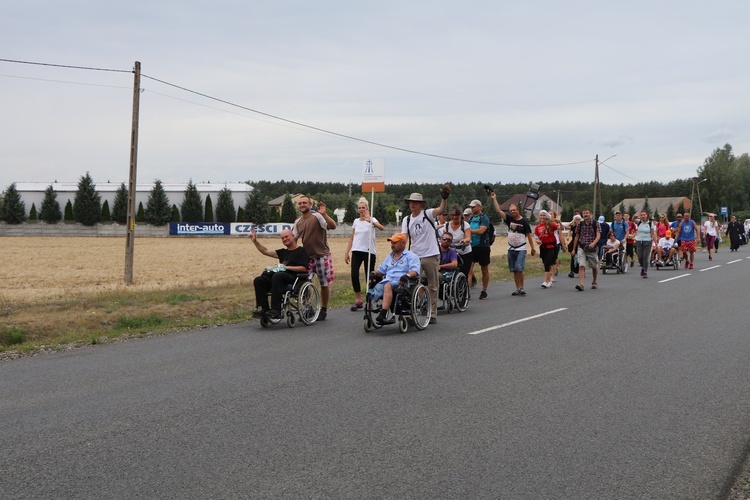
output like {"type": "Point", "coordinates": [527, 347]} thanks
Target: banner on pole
{"type": "Point", "coordinates": [373, 176]}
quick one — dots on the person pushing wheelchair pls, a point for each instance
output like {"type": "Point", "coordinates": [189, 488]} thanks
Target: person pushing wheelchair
{"type": "Point", "coordinates": [395, 270]}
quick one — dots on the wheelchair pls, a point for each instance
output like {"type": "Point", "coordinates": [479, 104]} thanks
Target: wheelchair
{"type": "Point", "coordinates": [412, 306]}
{"type": "Point", "coordinates": [301, 299]}
{"type": "Point", "coordinates": [454, 291]}
{"type": "Point", "coordinates": [666, 263]}
{"type": "Point", "coordinates": [615, 262]}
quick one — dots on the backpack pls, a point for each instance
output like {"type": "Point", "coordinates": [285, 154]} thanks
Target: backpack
{"type": "Point", "coordinates": [490, 234]}
{"type": "Point", "coordinates": [408, 232]}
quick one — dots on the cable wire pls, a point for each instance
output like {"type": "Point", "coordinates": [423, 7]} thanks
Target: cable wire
{"type": "Point", "coordinates": [66, 66]}
{"type": "Point", "coordinates": [349, 137]}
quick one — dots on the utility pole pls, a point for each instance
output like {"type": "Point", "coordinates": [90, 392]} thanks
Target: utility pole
{"type": "Point", "coordinates": [130, 227]}
{"type": "Point", "coordinates": [596, 185]}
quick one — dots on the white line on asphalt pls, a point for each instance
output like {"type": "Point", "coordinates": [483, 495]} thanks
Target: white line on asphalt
{"type": "Point", "coordinates": [517, 321]}
{"type": "Point", "coordinates": [733, 261]}
{"type": "Point", "coordinates": [674, 278]}
{"type": "Point", "coordinates": [709, 268]}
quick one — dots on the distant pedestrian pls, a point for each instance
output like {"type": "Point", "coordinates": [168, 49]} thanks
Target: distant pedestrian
{"type": "Point", "coordinates": [585, 246]}
{"type": "Point", "coordinates": [645, 242]}
{"type": "Point", "coordinates": [711, 231]}
{"type": "Point", "coordinates": [687, 232]}
{"type": "Point", "coordinates": [519, 238]}
{"type": "Point", "coordinates": [736, 232]}
{"type": "Point", "coordinates": [546, 232]}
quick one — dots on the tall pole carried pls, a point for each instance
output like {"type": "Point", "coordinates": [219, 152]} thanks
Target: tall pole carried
{"type": "Point", "coordinates": [130, 227]}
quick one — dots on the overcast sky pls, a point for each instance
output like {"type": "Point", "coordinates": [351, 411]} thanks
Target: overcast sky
{"type": "Point", "coordinates": [659, 84]}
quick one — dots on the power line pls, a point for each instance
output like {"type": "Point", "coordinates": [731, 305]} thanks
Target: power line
{"type": "Point", "coordinates": [357, 139]}
{"type": "Point", "coordinates": [299, 124]}
{"type": "Point", "coordinates": [66, 66]}
{"type": "Point", "coordinates": [64, 81]}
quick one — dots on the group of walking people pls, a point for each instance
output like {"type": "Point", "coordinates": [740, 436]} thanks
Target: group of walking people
{"type": "Point", "coordinates": [435, 237]}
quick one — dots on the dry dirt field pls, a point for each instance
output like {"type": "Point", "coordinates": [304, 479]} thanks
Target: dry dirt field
{"type": "Point", "coordinates": [53, 268]}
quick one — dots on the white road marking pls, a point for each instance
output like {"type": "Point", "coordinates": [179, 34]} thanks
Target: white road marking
{"type": "Point", "coordinates": [517, 321]}
{"type": "Point", "coordinates": [674, 278]}
{"type": "Point", "coordinates": [709, 268]}
{"type": "Point", "coordinates": [733, 261]}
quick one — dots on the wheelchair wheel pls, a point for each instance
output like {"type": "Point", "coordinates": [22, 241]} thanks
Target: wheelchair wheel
{"type": "Point", "coordinates": [290, 319]}
{"type": "Point", "coordinates": [264, 322]}
{"type": "Point", "coordinates": [461, 292]}
{"type": "Point", "coordinates": [369, 324]}
{"type": "Point", "coordinates": [403, 324]}
{"type": "Point", "coordinates": [421, 307]}
{"type": "Point", "coordinates": [308, 303]}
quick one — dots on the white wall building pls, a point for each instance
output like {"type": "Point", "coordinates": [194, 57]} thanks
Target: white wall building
{"type": "Point", "coordinates": [33, 192]}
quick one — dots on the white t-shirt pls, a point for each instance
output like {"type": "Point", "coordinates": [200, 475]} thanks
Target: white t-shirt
{"type": "Point", "coordinates": [422, 233]}
{"type": "Point", "coordinates": [710, 228]}
{"type": "Point", "coordinates": [362, 230]}
{"type": "Point", "coordinates": [666, 243]}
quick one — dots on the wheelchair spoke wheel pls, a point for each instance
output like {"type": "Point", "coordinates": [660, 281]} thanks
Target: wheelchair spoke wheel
{"type": "Point", "coordinates": [308, 303]}
{"type": "Point", "coordinates": [421, 306]}
{"type": "Point", "coordinates": [290, 319]}
{"type": "Point", "coordinates": [403, 324]}
{"type": "Point", "coordinates": [461, 292]}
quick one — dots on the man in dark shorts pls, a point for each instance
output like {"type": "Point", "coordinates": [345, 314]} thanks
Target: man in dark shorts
{"type": "Point", "coordinates": [480, 246]}
{"type": "Point", "coordinates": [519, 239]}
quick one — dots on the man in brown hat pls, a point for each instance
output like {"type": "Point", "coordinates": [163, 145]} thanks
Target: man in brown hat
{"type": "Point", "coordinates": [419, 227]}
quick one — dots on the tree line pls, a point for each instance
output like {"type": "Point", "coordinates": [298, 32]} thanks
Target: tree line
{"type": "Point", "coordinates": [723, 180]}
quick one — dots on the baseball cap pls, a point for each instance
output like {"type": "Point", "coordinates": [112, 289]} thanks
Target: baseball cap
{"type": "Point", "coordinates": [601, 218]}
{"type": "Point", "coordinates": [398, 237]}
{"type": "Point", "coordinates": [474, 203]}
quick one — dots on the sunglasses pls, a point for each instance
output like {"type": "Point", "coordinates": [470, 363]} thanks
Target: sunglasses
{"type": "Point", "coordinates": [447, 239]}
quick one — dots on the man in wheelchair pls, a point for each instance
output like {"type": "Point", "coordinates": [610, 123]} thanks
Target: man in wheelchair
{"type": "Point", "coordinates": [448, 263]}
{"type": "Point", "coordinates": [396, 270]}
{"type": "Point", "coordinates": [292, 260]}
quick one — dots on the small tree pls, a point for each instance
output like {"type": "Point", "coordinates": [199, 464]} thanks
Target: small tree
{"type": "Point", "coordinates": [175, 214]}
{"type": "Point", "coordinates": [87, 204]}
{"type": "Point", "coordinates": [32, 213]}
{"type": "Point", "coordinates": [646, 207]}
{"type": "Point", "coordinates": [241, 215]}
{"type": "Point", "coordinates": [670, 213]}
{"type": "Point", "coordinates": [225, 206]}
{"type": "Point", "coordinates": [120, 205]}
{"type": "Point", "coordinates": [622, 208]}
{"type": "Point", "coordinates": [68, 212]}
{"type": "Point", "coordinates": [192, 206]}
{"type": "Point", "coordinates": [681, 208]}
{"type": "Point", "coordinates": [351, 213]}
{"type": "Point", "coordinates": [256, 209]}
{"type": "Point", "coordinates": [631, 211]}
{"type": "Point", "coordinates": [140, 215]}
{"type": "Point", "coordinates": [381, 212]}
{"type": "Point", "coordinates": [209, 215]}
{"type": "Point", "coordinates": [14, 209]}
{"type": "Point", "coordinates": [288, 212]}
{"type": "Point", "coordinates": [106, 217]}
{"type": "Point", "coordinates": [157, 210]}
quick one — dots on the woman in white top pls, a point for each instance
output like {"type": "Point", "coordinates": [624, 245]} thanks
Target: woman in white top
{"type": "Point", "coordinates": [711, 231]}
{"type": "Point", "coordinates": [461, 232]}
{"type": "Point", "coordinates": [361, 246]}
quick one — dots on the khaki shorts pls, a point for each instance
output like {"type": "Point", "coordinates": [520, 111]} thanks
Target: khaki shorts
{"type": "Point", "coordinates": [587, 257]}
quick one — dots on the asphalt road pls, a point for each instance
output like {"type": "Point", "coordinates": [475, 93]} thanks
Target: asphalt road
{"type": "Point", "coordinates": [639, 389]}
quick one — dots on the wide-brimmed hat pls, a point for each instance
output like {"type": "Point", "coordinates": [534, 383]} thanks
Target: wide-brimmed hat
{"type": "Point", "coordinates": [398, 237]}
{"type": "Point", "coordinates": [415, 197]}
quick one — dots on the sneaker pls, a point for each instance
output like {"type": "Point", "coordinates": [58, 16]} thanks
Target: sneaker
{"type": "Point", "coordinates": [571, 274]}
{"type": "Point", "coordinates": [433, 320]}
{"type": "Point", "coordinates": [517, 292]}
{"type": "Point", "coordinates": [643, 272]}
{"type": "Point", "coordinates": [323, 314]}
{"type": "Point", "coordinates": [483, 295]}
{"type": "Point", "coordinates": [521, 291]}
{"type": "Point", "coordinates": [380, 319]}
{"type": "Point", "coordinates": [579, 288]}
{"type": "Point", "coordinates": [473, 281]}
{"type": "Point", "coordinates": [357, 306]}
{"type": "Point", "coordinates": [691, 266]}
{"type": "Point", "coordinates": [645, 275]}
{"type": "Point", "coordinates": [259, 313]}
{"type": "Point", "coordinates": [546, 285]}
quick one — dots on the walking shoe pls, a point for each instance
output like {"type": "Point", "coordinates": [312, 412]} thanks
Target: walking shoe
{"type": "Point", "coordinates": [571, 274]}
{"type": "Point", "coordinates": [473, 281]}
{"type": "Point", "coordinates": [546, 284]}
{"type": "Point", "coordinates": [521, 291]}
{"type": "Point", "coordinates": [357, 306]}
{"type": "Point", "coordinates": [643, 272]}
{"type": "Point", "coordinates": [259, 313]}
{"type": "Point", "coordinates": [645, 275]}
{"type": "Point", "coordinates": [579, 288]}
{"type": "Point", "coordinates": [483, 295]}
{"type": "Point", "coordinates": [380, 319]}
{"type": "Point", "coordinates": [691, 266]}
{"type": "Point", "coordinates": [323, 314]}
{"type": "Point", "coordinates": [517, 292]}
{"type": "Point", "coordinates": [433, 320]}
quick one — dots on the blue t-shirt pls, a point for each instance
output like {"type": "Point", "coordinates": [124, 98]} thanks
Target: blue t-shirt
{"type": "Point", "coordinates": [620, 229]}
{"type": "Point", "coordinates": [477, 221]}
